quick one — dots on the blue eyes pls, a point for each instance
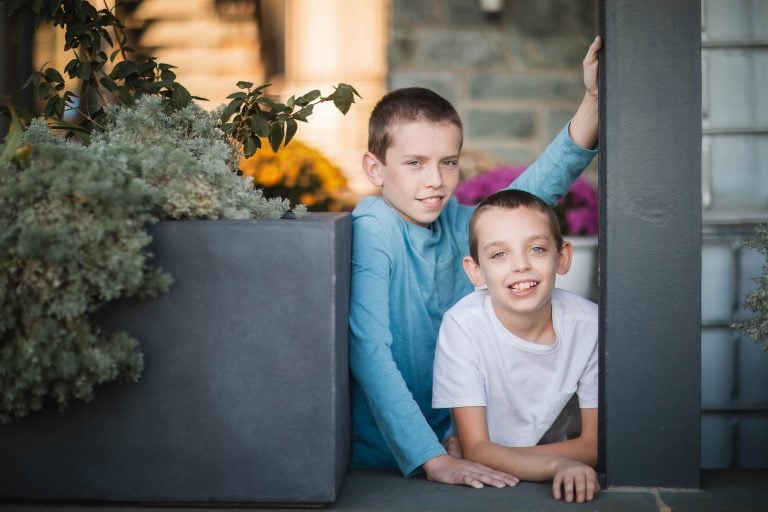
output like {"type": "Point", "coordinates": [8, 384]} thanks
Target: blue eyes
{"type": "Point", "coordinates": [449, 164]}
{"type": "Point", "coordinates": [533, 250]}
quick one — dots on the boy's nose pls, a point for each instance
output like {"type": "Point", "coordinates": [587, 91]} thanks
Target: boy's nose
{"type": "Point", "coordinates": [433, 178]}
{"type": "Point", "coordinates": [520, 263]}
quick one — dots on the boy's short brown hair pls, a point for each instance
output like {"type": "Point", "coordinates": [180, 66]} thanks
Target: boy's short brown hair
{"type": "Point", "coordinates": [405, 105]}
{"type": "Point", "coordinates": [511, 199]}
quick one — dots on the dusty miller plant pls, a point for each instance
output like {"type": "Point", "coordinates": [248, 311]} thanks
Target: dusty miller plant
{"type": "Point", "coordinates": [74, 208]}
{"type": "Point", "coordinates": [757, 301]}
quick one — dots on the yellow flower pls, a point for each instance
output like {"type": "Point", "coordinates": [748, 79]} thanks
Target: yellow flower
{"type": "Point", "coordinates": [301, 174]}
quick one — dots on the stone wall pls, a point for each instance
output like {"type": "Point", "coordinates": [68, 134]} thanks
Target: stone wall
{"type": "Point", "coordinates": [514, 76]}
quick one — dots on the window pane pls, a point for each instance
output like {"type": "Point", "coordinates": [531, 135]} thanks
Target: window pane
{"type": "Point", "coordinates": [737, 80]}
{"type": "Point", "coordinates": [739, 172]}
{"type": "Point", "coordinates": [735, 19]}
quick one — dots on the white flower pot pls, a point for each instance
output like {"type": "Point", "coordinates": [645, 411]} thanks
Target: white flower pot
{"type": "Point", "coordinates": [582, 276]}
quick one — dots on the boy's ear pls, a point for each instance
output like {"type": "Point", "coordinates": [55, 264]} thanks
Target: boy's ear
{"type": "Point", "coordinates": [372, 168]}
{"type": "Point", "coordinates": [564, 258]}
{"type": "Point", "coordinates": [472, 269]}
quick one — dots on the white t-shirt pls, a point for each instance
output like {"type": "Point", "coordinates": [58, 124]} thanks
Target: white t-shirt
{"type": "Point", "coordinates": [523, 385]}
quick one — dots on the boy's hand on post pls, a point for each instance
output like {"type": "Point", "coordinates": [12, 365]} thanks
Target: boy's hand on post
{"type": "Point", "coordinates": [584, 125]}
{"type": "Point", "coordinates": [590, 67]}
{"type": "Point", "coordinates": [574, 481]}
{"type": "Point", "coordinates": [450, 470]}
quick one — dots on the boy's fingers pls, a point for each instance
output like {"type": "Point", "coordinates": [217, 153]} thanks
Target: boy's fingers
{"type": "Point", "coordinates": [472, 482]}
{"type": "Point", "coordinates": [498, 476]}
{"type": "Point", "coordinates": [592, 487]}
{"type": "Point", "coordinates": [581, 488]}
{"type": "Point", "coordinates": [568, 485]}
{"type": "Point", "coordinates": [557, 484]}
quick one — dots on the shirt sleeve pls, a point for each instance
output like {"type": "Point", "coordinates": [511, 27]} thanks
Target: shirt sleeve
{"type": "Point", "coordinates": [458, 378]}
{"type": "Point", "coordinates": [396, 413]}
{"type": "Point", "coordinates": [553, 173]}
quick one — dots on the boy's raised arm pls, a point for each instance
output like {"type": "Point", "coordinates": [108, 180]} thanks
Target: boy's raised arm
{"type": "Point", "coordinates": [584, 125]}
{"type": "Point", "coordinates": [566, 157]}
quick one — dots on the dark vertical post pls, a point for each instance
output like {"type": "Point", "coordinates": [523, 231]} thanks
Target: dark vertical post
{"type": "Point", "coordinates": [16, 48]}
{"type": "Point", "coordinates": [650, 258]}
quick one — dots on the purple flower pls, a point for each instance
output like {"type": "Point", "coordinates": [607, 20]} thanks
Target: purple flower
{"type": "Point", "coordinates": [577, 211]}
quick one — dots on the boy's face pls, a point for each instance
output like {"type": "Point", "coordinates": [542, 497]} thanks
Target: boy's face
{"type": "Point", "coordinates": [518, 261]}
{"type": "Point", "coordinates": [421, 170]}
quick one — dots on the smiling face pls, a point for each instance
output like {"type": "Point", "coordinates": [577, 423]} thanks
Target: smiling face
{"type": "Point", "coordinates": [518, 259]}
{"type": "Point", "coordinates": [421, 169]}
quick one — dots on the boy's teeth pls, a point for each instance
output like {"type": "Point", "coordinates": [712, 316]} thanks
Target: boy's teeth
{"type": "Point", "coordinates": [523, 286]}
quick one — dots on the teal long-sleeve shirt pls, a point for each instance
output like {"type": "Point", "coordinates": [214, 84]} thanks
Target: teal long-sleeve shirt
{"type": "Point", "coordinates": [404, 277]}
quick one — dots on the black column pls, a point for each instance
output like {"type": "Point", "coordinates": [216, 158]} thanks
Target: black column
{"type": "Point", "coordinates": [16, 48]}
{"type": "Point", "coordinates": [650, 257]}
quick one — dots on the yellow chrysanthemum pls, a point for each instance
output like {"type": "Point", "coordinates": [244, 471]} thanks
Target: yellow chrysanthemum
{"type": "Point", "coordinates": [301, 174]}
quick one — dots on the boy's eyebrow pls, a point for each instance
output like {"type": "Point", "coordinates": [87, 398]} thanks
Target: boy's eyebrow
{"type": "Point", "coordinates": [531, 238]}
{"type": "Point", "coordinates": [422, 157]}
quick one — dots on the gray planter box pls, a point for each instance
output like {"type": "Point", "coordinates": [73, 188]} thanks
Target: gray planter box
{"type": "Point", "coordinates": [244, 395]}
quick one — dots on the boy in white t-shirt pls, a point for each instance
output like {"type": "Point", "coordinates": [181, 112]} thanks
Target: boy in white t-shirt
{"type": "Point", "coordinates": [510, 357]}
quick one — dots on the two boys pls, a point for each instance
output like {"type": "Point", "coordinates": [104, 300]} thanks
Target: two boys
{"type": "Point", "coordinates": [407, 272]}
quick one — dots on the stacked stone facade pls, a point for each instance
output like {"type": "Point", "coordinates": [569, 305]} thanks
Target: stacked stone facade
{"type": "Point", "coordinates": [514, 76]}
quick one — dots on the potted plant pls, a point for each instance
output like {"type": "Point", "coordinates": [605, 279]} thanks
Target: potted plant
{"type": "Point", "coordinates": [577, 212]}
{"type": "Point", "coordinates": [243, 347]}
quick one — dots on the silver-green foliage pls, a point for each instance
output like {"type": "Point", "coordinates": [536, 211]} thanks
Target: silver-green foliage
{"type": "Point", "coordinates": [757, 301]}
{"type": "Point", "coordinates": [73, 237]}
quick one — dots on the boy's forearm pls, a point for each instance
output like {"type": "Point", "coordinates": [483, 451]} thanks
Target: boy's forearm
{"type": "Point", "coordinates": [584, 125]}
{"type": "Point", "coordinates": [579, 449]}
{"type": "Point", "coordinates": [515, 461]}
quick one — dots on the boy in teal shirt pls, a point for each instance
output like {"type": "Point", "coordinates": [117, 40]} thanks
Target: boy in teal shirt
{"type": "Point", "coordinates": [407, 249]}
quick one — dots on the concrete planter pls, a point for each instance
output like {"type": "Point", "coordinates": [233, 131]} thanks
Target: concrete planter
{"type": "Point", "coordinates": [244, 396]}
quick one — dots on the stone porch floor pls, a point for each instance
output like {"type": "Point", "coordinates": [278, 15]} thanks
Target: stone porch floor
{"type": "Point", "coordinates": [383, 491]}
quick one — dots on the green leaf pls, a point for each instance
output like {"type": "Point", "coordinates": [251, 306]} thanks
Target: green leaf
{"type": "Point", "coordinates": [269, 103]}
{"type": "Point", "coordinates": [308, 98]}
{"type": "Point", "coordinates": [302, 114]}
{"type": "Point", "coordinates": [53, 76]}
{"type": "Point", "coordinates": [290, 130]}
{"type": "Point", "coordinates": [230, 109]}
{"type": "Point", "coordinates": [85, 71]}
{"type": "Point", "coordinates": [33, 80]}
{"type": "Point", "coordinates": [276, 136]}
{"type": "Point", "coordinates": [244, 85]}
{"type": "Point", "coordinates": [108, 83]}
{"type": "Point", "coordinates": [180, 97]}
{"type": "Point", "coordinates": [239, 95]}
{"type": "Point", "coordinates": [63, 125]}
{"type": "Point", "coordinates": [250, 146]}
{"type": "Point", "coordinates": [259, 125]}
{"type": "Point", "coordinates": [343, 98]}
{"type": "Point", "coordinates": [167, 74]}
{"type": "Point", "coordinates": [13, 139]}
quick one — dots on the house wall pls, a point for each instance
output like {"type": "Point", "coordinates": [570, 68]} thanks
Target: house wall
{"type": "Point", "coordinates": [514, 76]}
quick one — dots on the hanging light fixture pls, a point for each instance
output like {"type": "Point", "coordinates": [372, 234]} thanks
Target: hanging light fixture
{"type": "Point", "coordinates": [492, 6]}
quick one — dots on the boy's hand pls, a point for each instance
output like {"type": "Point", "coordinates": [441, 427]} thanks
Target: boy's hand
{"type": "Point", "coordinates": [453, 447]}
{"type": "Point", "coordinates": [574, 481]}
{"type": "Point", "coordinates": [450, 470]}
{"type": "Point", "coordinates": [590, 67]}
